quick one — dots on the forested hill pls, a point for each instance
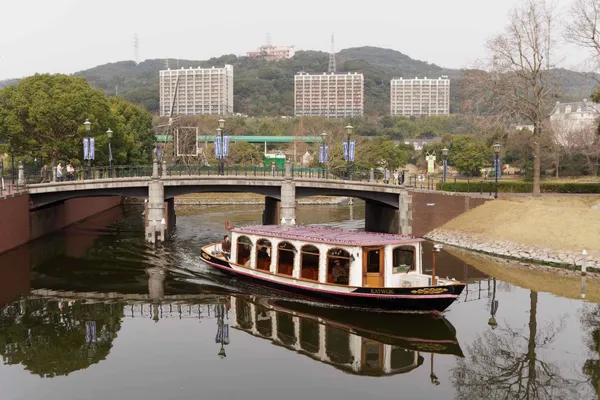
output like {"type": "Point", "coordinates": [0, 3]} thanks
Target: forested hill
{"type": "Point", "coordinates": [264, 88]}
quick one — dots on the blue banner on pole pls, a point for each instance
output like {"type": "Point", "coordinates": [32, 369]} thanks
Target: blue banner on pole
{"type": "Point", "coordinates": [109, 153]}
{"type": "Point", "coordinates": [352, 146]}
{"type": "Point", "coordinates": [445, 169]}
{"type": "Point", "coordinates": [345, 151]}
{"type": "Point", "coordinates": [321, 154]}
{"type": "Point", "coordinates": [92, 152]}
{"type": "Point", "coordinates": [498, 168]}
{"type": "Point", "coordinates": [326, 156]}
{"type": "Point", "coordinates": [86, 149]}
{"type": "Point", "coordinates": [225, 146]}
{"type": "Point", "coordinates": [218, 146]}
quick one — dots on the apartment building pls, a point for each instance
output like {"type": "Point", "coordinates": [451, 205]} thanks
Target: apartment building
{"type": "Point", "coordinates": [420, 96]}
{"type": "Point", "coordinates": [574, 124]}
{"type": "Point", "coordinates": [272, 53]}
{"type": "Point", "coordinates": [329, 95]}
{"type": "Point", "coordinates": [200, 91]}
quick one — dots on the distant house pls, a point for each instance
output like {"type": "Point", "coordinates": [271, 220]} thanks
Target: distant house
{"type": "Point", "coordinates": [523, 127]}
{"type": "Point", "coordinates": [418, 143]}
{"type": "Point", "coordinates": [574, 124]}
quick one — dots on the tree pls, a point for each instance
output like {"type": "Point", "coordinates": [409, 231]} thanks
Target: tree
{"type": "Point", "coordinates": [44, 115]}
{"type": "Point", "coordinates": [582, 29]}
{"type": "Point", "coordinates": [516, 81]}
{"type": "Point", "coordinates": [468, 155]}
{"type": "Point", "coordinates": [244, 153]}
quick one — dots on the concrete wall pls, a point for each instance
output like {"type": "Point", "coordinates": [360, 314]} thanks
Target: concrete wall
{"type": "Point", "coordinates": [430, 210]}
{"type": "Point", "coordinates": [19, 225]}
{"type": "Point", "coordinates": [15, 273]}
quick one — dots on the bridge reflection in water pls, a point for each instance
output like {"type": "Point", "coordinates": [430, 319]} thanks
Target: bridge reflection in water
{"type": "Point", "coordinates": [80, 328]}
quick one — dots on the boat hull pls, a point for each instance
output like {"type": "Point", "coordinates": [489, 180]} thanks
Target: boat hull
{"type": "Point", "coordinates": [423, 299]}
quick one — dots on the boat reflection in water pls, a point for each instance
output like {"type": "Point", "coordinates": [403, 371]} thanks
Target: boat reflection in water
{"type": "Point", "coordinates": [356, 342]}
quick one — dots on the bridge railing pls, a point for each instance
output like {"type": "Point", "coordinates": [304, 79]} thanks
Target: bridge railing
{"type": "Point", "coordinates": [84, 173]}
{"type": "Point", "coordinates": [234, 170]}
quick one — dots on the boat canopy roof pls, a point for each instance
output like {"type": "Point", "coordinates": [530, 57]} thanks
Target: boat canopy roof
{"type": "Point", "coordinates": [325, 234]}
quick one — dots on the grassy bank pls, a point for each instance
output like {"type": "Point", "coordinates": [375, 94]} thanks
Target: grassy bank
{"type": "Point", "coordinates": [567, 223]}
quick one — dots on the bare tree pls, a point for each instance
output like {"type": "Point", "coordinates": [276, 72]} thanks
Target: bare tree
{"type": "Point", "coordinates": [582, 28]}
{"type": "Point", "coordinates": [515, 80]}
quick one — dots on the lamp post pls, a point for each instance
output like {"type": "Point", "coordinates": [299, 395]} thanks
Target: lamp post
{"type": "Point", "coordinates": [88, 127]}
{"type": "Point", "coordinates": [349, 129]}
{"type": "Point", "coordinates": [109, 134]}
{"type": "Point", "coordinates": [222, 330]}
{"type": "Point", "coordinates": [493, 308]}
{"type": "Point", "coordinates": [445, 154]}
{"type": "Point", "coordinates": [221, 152]}
{"type": "Point", "coordinates": [497, 147]}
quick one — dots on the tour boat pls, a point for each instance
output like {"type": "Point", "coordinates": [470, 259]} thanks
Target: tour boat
{"type": "Point", "coordinates": [337, 266]}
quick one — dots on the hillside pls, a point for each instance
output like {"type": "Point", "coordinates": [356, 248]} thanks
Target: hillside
{"type": "Point", "coordinates": [266, 89]}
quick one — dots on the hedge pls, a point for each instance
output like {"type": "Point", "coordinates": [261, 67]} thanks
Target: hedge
{"type": "Point", "coordinates": [518, 187]}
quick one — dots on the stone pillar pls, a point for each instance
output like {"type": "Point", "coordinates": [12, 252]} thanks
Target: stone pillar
{"type": "Point", "coordinates": [156, 224]}
{"type": "Point", "coordinates": [288, 203]}
{"type": "Point", "coordinates": [21, 176]}
{"type": "Point", "coordinates": [156, 283]}
{"type": "Point", "coordinates": [405, 212]}
{"type": "Point", "coordinates": [271, 211]}
{"type": "Point", "coordinates": [155, 169]}
{"type": "Point", "coordinates": [381, 218]}
{"type": "Point", "coordinates": [170, 216]}
{"type": "Point", "coordinates": [372, 175]}
{"type": "Point", "coordinates": [164, 168]}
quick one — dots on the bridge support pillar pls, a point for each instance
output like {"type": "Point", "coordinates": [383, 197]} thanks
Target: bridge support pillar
{"type": "Point", "coordinates": [381, 218]}
{"type": "Point", "coordinates": [271, 212]}
{"type": "Point", "coordinates": [155, 214]}
{"type": "Point", "coordinates": [170, 216]}
{"type": "Point", "coordinates": [288, 203]}
{"type": "Point", "coordinates": [405, 213]}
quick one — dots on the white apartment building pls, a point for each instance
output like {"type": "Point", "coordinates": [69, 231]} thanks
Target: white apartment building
{"type": "Point", "coordinates": [574, 124]}
{"type": "Point", "coordinates": [272, 53]}
{"type": "Point", "coordinates": [329, 95]}
{"type": "Point", "coordinates": [200, 91]}
{"type": "Point", "coordinates": [420, 96]}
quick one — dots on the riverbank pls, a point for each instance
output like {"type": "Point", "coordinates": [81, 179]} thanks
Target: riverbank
{"type": "Point", "coordinates": [551, 230]}
{"type": "Point", "coordinates": [211, 199]}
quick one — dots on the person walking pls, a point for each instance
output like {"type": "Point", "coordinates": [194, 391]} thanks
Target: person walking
{"type": "Point", "coordinates": [59, 172]}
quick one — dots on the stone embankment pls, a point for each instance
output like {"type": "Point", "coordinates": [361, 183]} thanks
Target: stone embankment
{"type": "Point", "coordinates": [518, 251]}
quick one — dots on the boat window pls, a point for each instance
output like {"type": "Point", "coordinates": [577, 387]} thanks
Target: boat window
{"type": "Point", "coordinates": [243, 314]}
{"type": "Point", "coordinates": [309, 262]}
{"type": "Point", "coordinates": [264, 324]}
{"type": "Point", "coordinates": [286, 252]}
{"type": "Point", "coordinates": [372, 356]}
{"type": "Point", "coordinates": [263, 255]}
{"type": "Point", "coordinates": [402, 358]}
{"type": "Point", "coordinates": [309, 335]}
{"type": "Point", "coordinates": [404, 259]}
{"type": "Point", "coordinates": [244, 248]}
{"type": "Point", "coordinates": [338, 266]}
{"type": "Point", "coordinates": [337, 346]}
{"type": "Point", "coordinates": [285, 329]}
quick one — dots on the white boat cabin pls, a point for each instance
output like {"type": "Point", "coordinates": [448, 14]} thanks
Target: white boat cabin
{"type": "Point", "coordinates": [330, 256]}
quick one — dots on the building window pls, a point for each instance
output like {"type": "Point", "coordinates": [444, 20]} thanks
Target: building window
{"type": "Point", "coordinates": [309, 262]}
{"type": "Point", "coordinates": [286, 253]}
{"type": "Point", "coordinates": [403, 259]}
{"type": "Point", "coordinates": [263, 255]}
{"type": "Point", "coordinates": [338, 266]}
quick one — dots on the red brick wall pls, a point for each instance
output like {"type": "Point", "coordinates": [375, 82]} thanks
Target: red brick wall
{"type": "Point", "coordinates": [14, 221]}
{"type": "Point", "coordinates": [14, 270]}
{"type": "Point", "coordinates": [431, 210]}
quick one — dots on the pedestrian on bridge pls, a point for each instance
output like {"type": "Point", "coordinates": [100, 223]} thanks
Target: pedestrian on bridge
{"type": "Point", "coordinates": [59, 172]}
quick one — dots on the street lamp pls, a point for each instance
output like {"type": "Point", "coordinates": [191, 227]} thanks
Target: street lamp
{"type": "Point", "coordinates": [445, 154]}
{"type": "Point", "coordinates": [493, 308]}
{"type": "Point", "coordinates": [497, 147]}
{"type": "Point", "coordinates": [221, 153]}
{"type": "Point", "coordinates": [88, 127]}
{"type": "Point", "coordinates": [349, 129]}
{"type": "Point", "coordinates": [109, 134]}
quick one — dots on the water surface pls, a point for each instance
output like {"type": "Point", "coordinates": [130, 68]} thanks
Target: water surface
{"type": "Point", "coordinates": [93, 312]}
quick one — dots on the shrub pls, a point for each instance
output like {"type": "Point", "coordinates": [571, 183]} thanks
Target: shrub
{"type": "Point", "coordinates": [518, 187]}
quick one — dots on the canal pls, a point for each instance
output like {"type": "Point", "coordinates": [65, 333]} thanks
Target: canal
{"type": "Point", "coordinates": [93, 312]}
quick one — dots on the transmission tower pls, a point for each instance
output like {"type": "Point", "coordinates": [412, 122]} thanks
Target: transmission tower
{"type": "Point", "coordinates": [136, 47]}
{"type": "Point", "coordinates": [268, 39]}
{"type": "Point", "coordinates": [332, 56]}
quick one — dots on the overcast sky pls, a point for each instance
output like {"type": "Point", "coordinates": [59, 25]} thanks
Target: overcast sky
{"type": "Point", "coordinates": [71, 35]}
